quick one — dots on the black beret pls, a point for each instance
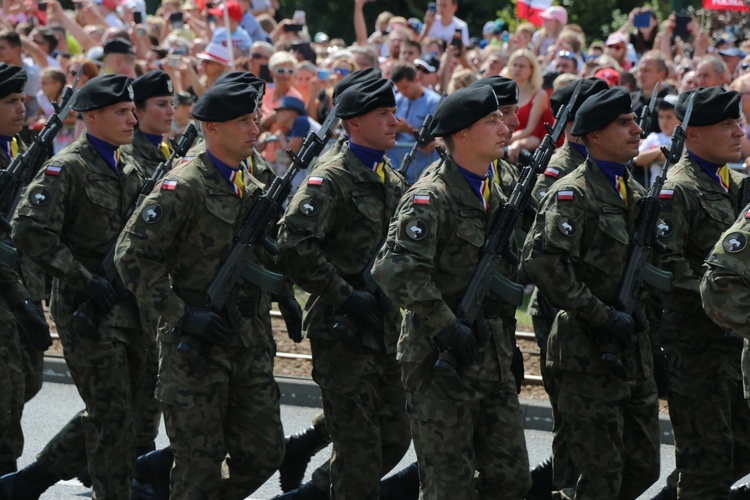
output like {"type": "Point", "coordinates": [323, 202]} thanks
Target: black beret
{"type": "Point", "coordinates": [355, 78]}
{"type": "Point", "coordinates": [155, 83]}
{"type": "Point", "coordinates": [712, 105]}
{"type": "Point", "coordinates": [561, 96]}
{"type": "Point", "coordinates": [103, 91]}
{"type": "Point", "coordinates": [601, 109]}
{"type": "Point", "coordinates": [505, 89]}
{"type": "Point", "coordinates": [462, 108]}
{"type": "Point", "coordinates": [12, 80]}
{"type": "Point", "coordinates": [225, 101]}
{"type": "Point", "coordinates": [364, 97]}
{"type": "Point", "coordinates": [243, 77]}
{"type": "Point", "coordinates": [118, 46]}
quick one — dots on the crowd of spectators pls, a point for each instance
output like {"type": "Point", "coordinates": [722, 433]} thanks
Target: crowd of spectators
{"type": "Point", "coordinates": [424, 57]}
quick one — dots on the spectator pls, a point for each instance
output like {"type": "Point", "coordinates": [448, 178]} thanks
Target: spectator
{"type": "Point", "coordinates": [53, 83]}
{"type": "Point", "coordinates": [283, 66]}
{"type": "Point", "coordinates": [46, 40]}
{"type": "Point", "coordinates": [533, 102]}
{"type": "Point", "coordinates": [554, 19]}
{"type": "Point", "coordinates": [118, 58]}
{"type": "Point", "coordinates": [643, 38]}
{"type": "Point", "coordinates": [241, 41]}
{"type": "Point", "coordinates": [732, 57]}
{"type": "Point", "coordinates": [214, 62]}
{"type": "Point", "coordinates": [616, 47]}
{"type": "Point", "coordinates": [652, 69]}
{"type": "Point", "coordinates": [689, 81]}
{"type": "Point", "coordinates": [609, 75]}
{"type": "Point", "coordinates": [566, 62]}
{"type": "Point", "coordinates": [461, 78]}
{"type": "Point", "coordinates": [260, 52]}
{"type": "Point", "coordinates": [250, 23]}
{"type": "Point", "coordinates": [442, 22]}
{"type": "Point", "coordinates": [108, 10]}
{"type": "Point", "coordinates": [294, 124]}
{"type": "Point", "coordinates": [428, 67]}
{"type": "Point", "coordinates": [410, 51]}
{"type": "Point", "coordinates": [650, 157]}
{"type": "Point", "coordinates": [493, 61]}
{"type": "Point", "coordinates": [711, 72]}
{"type": "Point", "coordinates": [10, 53]}
{"type": "Point", "coordinates": [183, 102]}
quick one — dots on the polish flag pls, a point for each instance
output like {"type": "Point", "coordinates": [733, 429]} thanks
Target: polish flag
{"type": "Point", "coordinates": [530, 10]}
{"type": "Point", "coordinates": [737, 5]}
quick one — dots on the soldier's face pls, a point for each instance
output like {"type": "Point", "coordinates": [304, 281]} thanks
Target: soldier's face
{"type": "Point", "coordinates": [156, 117]}
{"type": "Point", "coordinates": [236, 137]}
{"type": "Point", "coordinates": [113, 124]}
{"type": "Point", "coordinates": [618, 141]}
{"type": "Point", "coordinates": [375, 129]}
{"type": "Point", "coordinates": [12, 114]}
{"type": "Point", "coordinates": [718, 143]}
{"type": "Point", "coordinates": [487, 137]}
{"type": "Point", "coordinates": [510, 119]}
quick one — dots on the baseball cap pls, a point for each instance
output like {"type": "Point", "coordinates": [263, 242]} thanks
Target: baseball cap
{"type": "Point", "coordinates": [557, 13]}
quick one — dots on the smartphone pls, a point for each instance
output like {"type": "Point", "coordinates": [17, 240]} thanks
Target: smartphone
{"type": "Point", "coordinates": [457, 40]}
{"type": "Point", "coordinates": [293, 28]}
{"type": "Point", "coordinates": [265, 73]}
{"type": "Point", "coordinates": [137, 17]}
{"type": "Point", "coordinates": [681, 27]}
{"type": "Point", "coordinates": [642, 20]}
{"type": "Point", "coordinates": [42, 6]}
{"type": "Point", "coordinates": [176, 20]}
{"type": "Point", "coordinates": [299, 17]}
{"type": "Point", "coordinates": [173, 61]}
{"type": "Point", "coordinates": [324, 74]}
{"type": "Point", "coordinates": [304, 48]}
{"type": "Point", "coordinates": [180, 51]}
{"type": "Point", "coordinates": [431, 6]}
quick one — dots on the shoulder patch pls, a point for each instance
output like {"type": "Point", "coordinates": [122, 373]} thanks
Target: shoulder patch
{"type": "Point", "coordinates": [666, 194]}
{"type": "Point", "coordinates": [566, 195]}
{"type": "Point", "coordinates": [39, 197]}
{"type": "Point", "coordinates": [747, 214]}
{"type": "Point", "coordinates": [309, 207]}
{"type": "Point", "coordinates": [734, 242]}
{"type": "Point", "coordinates": [566, 227]}
{"type": "Point", "coordinates": [315, 181]}
{"type": "Point", "coordinates": [169, 185]}
{"type": "Point", "coordinates": [540, 194]}
{"type": "Point", "coordinates": [421, 199]}
{"type": "Point", "coordinates": [415, 229]}
{"type": "Point", "coordinates": [53, 170]}
{"type": "Point", "coordinates": [151, 213]}
{"type": "Point", "coordinates": [186, 159]}
{"type": "Point", "coordinates": [664, 228]}
{"type": "Point", "coordinates": [552, 172]}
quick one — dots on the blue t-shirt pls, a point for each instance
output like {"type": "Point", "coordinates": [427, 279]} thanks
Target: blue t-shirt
{"type": "Point", "coordinates": [300, 127]}
{"type": "Point", "coordinates": [241, 41]}
{"type": "Point", "coordinates": [250, 24]}
{"type": "Point", "coordinates": [414, 113]}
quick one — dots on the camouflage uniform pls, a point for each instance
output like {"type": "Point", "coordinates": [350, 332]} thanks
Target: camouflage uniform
{"type": "Point", "coordinates": [432, 249]}
{"type": "Point", "coordinates": [333, 225]}
{"type": "Point", "coordinates": [220, 403]}
{"type": "Point", "coordinates": [576, 255]}
{"type": "Point", "coordinates": [703, 359]}
{"type": "Point", "coordinates": [71, 214]}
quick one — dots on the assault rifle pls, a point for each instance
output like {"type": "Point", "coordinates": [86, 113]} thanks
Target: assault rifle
{"type": "Point", "coordinates": [497, 244]}
{"type": "Point", "coordinates": [647, 112]}
{"type": "Point", "coordinates": [264, 212]}
{"type": "Point", "coordinates": [422, 137]}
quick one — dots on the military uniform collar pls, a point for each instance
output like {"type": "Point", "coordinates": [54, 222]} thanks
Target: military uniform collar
{"type": "Point", "coordinates": [98, 165]}
{"type": "Point", "coordinates": [699, 176]}
{"type": "Point", "coordinates": [602, 187]}
{"type": "Point", "coordinates": [146, 147]}
{"type": "Point", "coordinates": [464, 194]}
{"type": "Point", "coordinates": [360, 171]}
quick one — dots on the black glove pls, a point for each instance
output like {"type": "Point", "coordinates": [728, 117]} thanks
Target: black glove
{"type": "Point", "coordinates": [362, 305]}
{"type": "Point", "coordinates": [620, 326]}
{"type": "Point", "coordinates": [661, 372]}
{"type": "Point", "coordinates": [460, 341]}
{"type": "Point", "coordinates": [101, 293]}
{"type": "Point", "coordinates": [204, 323]}
{"type": "Point", "coordinates": [516, 368]}
{"type": "Point", "coordinates": [292, 313]}
{"type": "Point", "coordinates": [33, 323]}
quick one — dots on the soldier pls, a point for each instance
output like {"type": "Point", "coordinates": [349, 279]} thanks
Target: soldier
{"type": "Point", "coordinates": [22, 362]}
{"type": "Point", "coordinates": [432, 249]}
{"type": "Point", "coordinates": [333, 226]}
{"type": "Point", "coordinates": [70, 217]}
{"type": "Point", "coordinates": [699, 203]}
{"type": "Point", "coordinates": [600, 357]}
{"type": "Point", "coordinates": [192, 217]}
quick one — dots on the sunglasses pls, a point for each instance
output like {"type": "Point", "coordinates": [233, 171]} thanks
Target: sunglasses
{"type": "Point", "coordinates": [284, 71]}
{"type": "Point", "coordinates": [341, 71]}
{"type": "Point", "coordinates": [616, 47]}
{"type": "Point", "coordinates": [566, 53]}
{"type": "Point", "coordinates": [258, 56]}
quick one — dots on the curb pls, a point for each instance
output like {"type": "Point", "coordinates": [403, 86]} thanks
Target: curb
{"type": "Point", "coordinates": [300, 391]}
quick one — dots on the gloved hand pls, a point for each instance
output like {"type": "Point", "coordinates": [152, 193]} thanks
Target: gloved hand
{"type": "Point", "coordinates": [362, 305]}
{"type": "Point", "coordinates": [640, 321]}
{"type": "Point", "coordinates": [101, 293]}
{"type": "Point", "coordinates": [661, 372]}
{"type": "Point", "coordinates": [204, 323]}
{"type": "Point", "coordinates": [33, 323]}
{"type": "Point", "coordinates": [460, 341]}
{"type": "Point", "coordinates": [516, 368]}
{"type": "Point", "coordinates": [620, 326]}
{"type": "Point", "coordinates": [292, 314]}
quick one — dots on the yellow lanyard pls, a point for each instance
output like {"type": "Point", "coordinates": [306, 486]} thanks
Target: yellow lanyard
{"type": "Point", "coordinates": [379, 168]}
{"type": "Point", "coordinates": [237, 183]}
{"type": "Point", "coordinates": [622, 189]}
{"type": "Point", "coordinates": [486, 193]}
{"type": "Point", "coordinates": [165, 150]}
{"type": "Point", "coordinates": [250, 165]}
{"type": "Point", "coordinates": [723, 174]}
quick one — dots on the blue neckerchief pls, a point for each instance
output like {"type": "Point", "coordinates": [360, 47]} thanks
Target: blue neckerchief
{"type": "Point", "coordinates": [611, 170]}
{"type": "Point", "coordinates": [5, 144]}
{"type": "Point", "coordinates": [107, 151]}
{"type": "Point", "coordinates": [156, 140]}
{"type": "Point", "coordinates": [368, 156]}
{"type": "Point", "coordinates": [580, 148]}
{"type": "Point", "coordinates": [711, 169]}
{"type": "Point", "coordinates": [225, 170]}
{"type": "Point", "coordinates": [475, 181]}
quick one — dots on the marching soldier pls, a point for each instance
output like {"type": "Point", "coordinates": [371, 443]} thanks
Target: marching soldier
{"type": "Point", "coordinates": [600, 357]}
{"type": "Point", "coordinates": [220, 401]}
{"type": "Point", "coordinates": [432, 249]}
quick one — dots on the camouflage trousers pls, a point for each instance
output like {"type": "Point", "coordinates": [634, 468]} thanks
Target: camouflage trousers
{"type": "Point", "coordinates": [363, 402]}
{"type": "Point", "coordinates": [108, 373]}
{"type": "Point", "coordinates": [468, 435]}
{"type": "Point", "coordinates": [221, 410]}
{"type": "Point", "coordinates": [613, 433]}
{"type": "Point", "coordinates": [12, 393]}
{"type": "Point", "coordinates": [148, 419]}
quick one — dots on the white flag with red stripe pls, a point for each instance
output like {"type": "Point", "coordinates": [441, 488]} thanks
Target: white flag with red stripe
{"type": "Point", "coordinates": [530, 10]}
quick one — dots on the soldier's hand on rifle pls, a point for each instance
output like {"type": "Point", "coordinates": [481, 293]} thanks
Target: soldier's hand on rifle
{"type": "Point", "coordinates": [364, 306]}
{"type": "Point", "coordinates": [620, 325]}
{"type": "Point", "coordinates": [640, 321]}
{"type": "Point", "coordinates": [101, 293]}
{"type": "Point", "coordinates": [459, 340]}
{"type": "Point", "coordinates": [34, 325]}
{"type": "Point", "coordinates": [292, 314]}
{"type": "Point", "coordinates": [205, 323]}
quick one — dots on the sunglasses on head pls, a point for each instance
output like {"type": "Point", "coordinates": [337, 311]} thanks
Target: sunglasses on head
{"type": "Point", "coordinates": [341, 71]}
{"type": "Point", "coordinates": [284, 71]}
{"type": "Point", "coordinates": [566, 53]}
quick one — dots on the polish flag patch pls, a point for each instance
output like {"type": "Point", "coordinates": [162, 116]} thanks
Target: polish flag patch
{"type": "Point", "coordinates": [169, 185]}
{"type": "Point", "coordinates": [747, 214]}
{"type": "Point", "coordinates": [666, 194]}
{"type": "Point", "coordinates": [315, 181]}
{"type": "Point", "coordinates": [565, 195]}
{"type": "Point", "coordinates": [421, 199]}
{"type": "Point", "coordinates": [53, 170]}
{"type": "Point", "coordinates": [552, 172]}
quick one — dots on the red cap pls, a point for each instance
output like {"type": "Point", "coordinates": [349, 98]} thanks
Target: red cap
{"type": "Point", "coordinates": [609, 75]}
{"type": "Point", "coordinates": [233, 8]}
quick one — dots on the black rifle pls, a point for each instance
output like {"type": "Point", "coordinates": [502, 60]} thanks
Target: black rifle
{"type": "Point", "coordinates": [86, 311]}
{"type": "Point", "coordinates": [422, 137]}
{"type": "Point", "coordinates": [254, 228]}
{"type": "Point", "coordinates": [647, 113]}
{"type": "Point", "coordinates": [638, 270]}
{"type": "Point", "coordinates": [24, 166]}
{"type": "Point", "coordinates": [497, 244]}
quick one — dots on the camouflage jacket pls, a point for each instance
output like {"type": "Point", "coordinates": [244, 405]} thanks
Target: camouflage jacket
{"type": "Point", "coordinates": [433, 247]}
{"type": "Point", "coordinates": [695, 211]}
{"type": "Point", "coordinates": [72, 213]}
{"type": "Point", "coordinates": [725, 287]}
{"type": "Point", "coordinates": [143, 151]}
{"type": "Point", "coordinates": [576, 254]}
{"type": "Point", "coordinates": [332, 228]}
{"type": "Point", "coordinates": [564, 160]}
{"type": "Point", "coordinates": [12, 292]}
{"type": "Point", "coordinates": [179, 238]}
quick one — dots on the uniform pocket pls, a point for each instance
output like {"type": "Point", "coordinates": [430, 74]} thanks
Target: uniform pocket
{"type": "Point", "coordinates": [368, 204]}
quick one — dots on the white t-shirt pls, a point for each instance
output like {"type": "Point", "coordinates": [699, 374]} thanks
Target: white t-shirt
{"type": "Point", "coordinates": [437, 30]}
{"type": "Point", "coordinates": [654, 140]}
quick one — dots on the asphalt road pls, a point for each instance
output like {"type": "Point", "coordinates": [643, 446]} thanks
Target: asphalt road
{"type": "Point", "coordinates": [56, 403]}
